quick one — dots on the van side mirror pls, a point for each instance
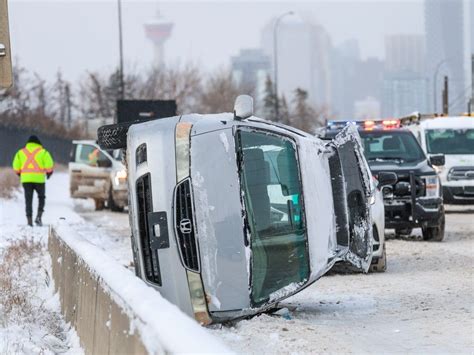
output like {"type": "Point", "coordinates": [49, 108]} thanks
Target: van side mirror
{"type": "Point", "coordinates": [6, 73]}
{"type": "Point", "coordinates": [438, 160]}
{"type": "Point", "coordinates": [387, 178]}
{"type": "Point", "coordinates": [104, 163]}
{"type": "Point", "coordinates": [243, 107]}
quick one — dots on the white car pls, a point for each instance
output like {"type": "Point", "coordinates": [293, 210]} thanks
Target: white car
{"type": "Point", "coordinates": [231, 214]}
{"type": "Point", "coordinates": [379, 255]}
{"type": "Point", "coordinates": [454, 138]}
{"type": "Point", "coordinates": [98, 174]}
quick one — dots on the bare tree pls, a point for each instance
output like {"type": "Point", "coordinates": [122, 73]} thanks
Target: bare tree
{"type": "Point", "coordinates": [182, 84]}
{"type": "Point", "coordinates": [220, 91]}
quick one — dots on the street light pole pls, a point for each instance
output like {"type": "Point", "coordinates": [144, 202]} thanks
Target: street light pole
{"type": "Point", "coordinates": [122, 86]}
{"type": "Point", "coordinates": [275, 61]}
{"type": "Point", "coordinates": [435, 79]}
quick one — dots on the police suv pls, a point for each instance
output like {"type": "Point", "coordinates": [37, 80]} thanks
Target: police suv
{"type": "Point", "coordinates": [415, 200]}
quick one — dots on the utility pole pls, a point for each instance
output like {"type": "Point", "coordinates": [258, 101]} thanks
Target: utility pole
{"type": "Point", "coordinates": [122, 86]}
{"type": "Point", "coordinates": [68, 105]}
{"type": "Point", "coordinates": [435, 79]}
{"type": "Point", "coordinates": [445, 96]}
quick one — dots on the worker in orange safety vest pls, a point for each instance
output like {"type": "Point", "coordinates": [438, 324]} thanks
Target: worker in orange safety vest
{"type": "Point", "coordinates": [34, 165]}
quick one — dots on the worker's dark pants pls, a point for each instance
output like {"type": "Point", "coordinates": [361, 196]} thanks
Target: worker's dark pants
{"type": "Point", "coordinates": [29, 187]}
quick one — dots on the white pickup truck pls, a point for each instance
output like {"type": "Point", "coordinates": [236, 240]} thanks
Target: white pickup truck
{"type": "Point", "coordinates": [98, 174]}
{"type": "Point", "coordinates": [454, 138]}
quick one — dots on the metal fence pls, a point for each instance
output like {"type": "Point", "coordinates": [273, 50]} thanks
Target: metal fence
{"type": "Point", "coordinates": [12, 139]}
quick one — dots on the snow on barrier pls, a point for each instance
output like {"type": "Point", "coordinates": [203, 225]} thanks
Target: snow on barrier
{"type": "Point", "coordinates": [112, 310]}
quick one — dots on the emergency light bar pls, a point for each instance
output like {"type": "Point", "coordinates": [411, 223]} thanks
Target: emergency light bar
{"type": "Point", "coordinates": [366, 124]}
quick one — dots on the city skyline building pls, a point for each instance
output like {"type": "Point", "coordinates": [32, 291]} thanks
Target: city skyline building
{"type": "Point", "coordinates": [404, 93]}
{"type": "Point", "coordinates": [405, 52]}
{"type": "Point", "coordinates": [405, 88]}
{"type": "Point", "coordinates": [304, 51]}
{"type": "Point", "coordinates": [250, 69]}
{"type": "Point", "coordinates": [446, 52]}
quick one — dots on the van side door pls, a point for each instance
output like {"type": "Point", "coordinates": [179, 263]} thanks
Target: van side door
{"type": "Point", "coordinates": [350, 179]}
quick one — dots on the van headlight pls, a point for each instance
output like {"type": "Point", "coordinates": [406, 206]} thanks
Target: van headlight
{"type": "Point", "coordinates": [120, 177]}
{"type": "Point", "coordinates": [431, 185]}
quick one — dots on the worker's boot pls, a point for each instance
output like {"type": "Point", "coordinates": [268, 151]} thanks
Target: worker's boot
{"type": "Point", "coordinates": [38, 221]}
{"type": "Point", "coordinates": [30, 220]}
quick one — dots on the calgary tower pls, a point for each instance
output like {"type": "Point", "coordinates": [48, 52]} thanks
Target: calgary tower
{"type": "Point", "coordinates": [158, 31]}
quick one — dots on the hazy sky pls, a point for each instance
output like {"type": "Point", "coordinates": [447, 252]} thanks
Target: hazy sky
{"type": "Point", "coordinates": [77, 36]}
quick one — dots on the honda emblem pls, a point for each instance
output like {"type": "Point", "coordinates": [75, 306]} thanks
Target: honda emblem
{"type": "Point", "coordinates": [185, 226]}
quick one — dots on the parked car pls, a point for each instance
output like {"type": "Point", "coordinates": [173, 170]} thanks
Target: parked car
{"type": "Point", "coordinates": [98, 174]}
{"type": "Point", "coordinates": [379, 254]}
{"type": "Point", "coordinates": [452, 137]}
{"type": "Point", "coordinates": [231, 214]}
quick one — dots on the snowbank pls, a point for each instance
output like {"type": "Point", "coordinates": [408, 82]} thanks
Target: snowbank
{"type": "Point", "coordinates": [160, 326]}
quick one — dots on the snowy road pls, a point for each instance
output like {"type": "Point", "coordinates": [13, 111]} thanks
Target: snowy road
{"type": "Point", "coordinates": [423, 303]}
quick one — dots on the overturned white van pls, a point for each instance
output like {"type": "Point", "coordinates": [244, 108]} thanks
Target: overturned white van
{"type": "Point", "coordinates": [231, 213]}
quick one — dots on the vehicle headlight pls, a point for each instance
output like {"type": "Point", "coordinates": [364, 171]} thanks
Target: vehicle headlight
{"type": "Point", "coordinates": [120, 177]}
{"type": "Point", "coordinates": [431, 185]}
{"type": "Point", "coordinates": [183, 133]}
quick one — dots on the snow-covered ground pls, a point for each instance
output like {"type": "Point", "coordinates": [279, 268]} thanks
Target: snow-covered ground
{"type": "Point", "coordinates": [423, 303]}
{"type": "Point", "coordinates": [30, 316]}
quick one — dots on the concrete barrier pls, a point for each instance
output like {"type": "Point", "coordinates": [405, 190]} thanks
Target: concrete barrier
{"type": "Point", "coordinates": [114, 312]}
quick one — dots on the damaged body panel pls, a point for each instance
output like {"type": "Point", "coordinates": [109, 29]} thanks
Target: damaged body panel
{"type": "Point", "coordinates": [240, 215]}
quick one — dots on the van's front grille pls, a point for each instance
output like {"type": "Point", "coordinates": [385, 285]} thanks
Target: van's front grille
{"type": "Point", "coordinates": [185, 228]}
{"type": "Point", "coordinates": [149, 255]}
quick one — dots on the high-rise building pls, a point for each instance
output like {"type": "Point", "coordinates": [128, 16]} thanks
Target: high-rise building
{"type": "Point", "coordinates": [158, 31]}
{"type": "Point", "coordinates": [304, 51]}
{"type": "Point", "coordinates": [404, 93]}
{"type": "Point", "coordinates": [446, 52]}
{"type": "Point", "coordinates": [404, 85]}
{"type": "Point", "coordinates": [405, 52]}
{"type": "Point", "coordinates": [250, 69]}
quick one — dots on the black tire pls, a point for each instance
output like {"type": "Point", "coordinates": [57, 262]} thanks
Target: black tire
{"type": "Point", "coordinates": [111, 203]}
{"type": "Point", "coordinates": [435, 234]}
{"type": "Point", "coordinates": [113, 136]}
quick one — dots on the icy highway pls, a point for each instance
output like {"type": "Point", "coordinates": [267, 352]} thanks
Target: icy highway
{"type": "Point", "coordinates": [422, 303]}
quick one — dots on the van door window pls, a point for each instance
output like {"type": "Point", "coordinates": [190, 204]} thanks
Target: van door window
{"type": "Point", "coordinates": [272, 190]}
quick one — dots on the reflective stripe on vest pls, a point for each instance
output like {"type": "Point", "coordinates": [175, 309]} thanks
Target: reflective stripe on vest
{"type": "Point", "coordinates": [31, 160]}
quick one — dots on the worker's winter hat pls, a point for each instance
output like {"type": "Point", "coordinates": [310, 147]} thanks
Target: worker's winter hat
{"type": "Point", "coordinates": [34, 139]}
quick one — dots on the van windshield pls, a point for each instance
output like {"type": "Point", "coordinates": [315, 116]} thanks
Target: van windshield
{"type": "Point", "coordinates": [272, 194]}
{"type": "Point", "coordinates": [450, 141]}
